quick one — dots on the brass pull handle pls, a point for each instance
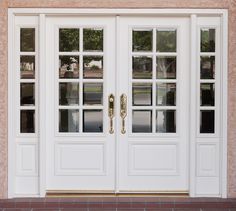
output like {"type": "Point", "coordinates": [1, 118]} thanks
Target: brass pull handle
{"type": "Point", "coordinates": [123, 111]}
{"type": "Point", "coordinates": [111, 111]}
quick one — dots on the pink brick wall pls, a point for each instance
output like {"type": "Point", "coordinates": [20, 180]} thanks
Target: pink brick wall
{"type": "Point", "coordinates": [228, 4]}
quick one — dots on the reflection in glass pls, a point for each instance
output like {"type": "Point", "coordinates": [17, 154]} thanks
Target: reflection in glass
{"type": "Point", "coordinates": [27, 39]}
{"type": "Point", "coordinates": [93, 121]}
{"type": "Point", "coordinates": [93, 93]}
{"type": "Point", "coordinates": [166, 40]}
{"type": "Point", "coordinates": [142, 40]}
{"type": "Point", "coordinates": [93, 39]}
{"type": "Point", "coordinates": [207, 40]}
{"type": "Point", "coordinates": [68, 40]}
{"type": "Point", "coordinates": [207, 121]}
{"type": "Point", "coordinates": [27, 67]}
{"type": "Point", "coordinates": [69, 66]}
{"type": "Point", "coordinates": [27, 94]}
{"type": "Point", "coordinates": [207, 67]}
{"type": "Point", "coordinates": [69, 120]}
{"type": "Point", "coordinates": [166, 94]}
{"type": "Point", "coordinates": [142, 121]}
{"type": "Point", "coordinates": [142, 67]}
{"type": "Point", "coordinates": [142, 94]}
{"type": "Point", "coordinates": [69, 93]}
{"type": "Point", "coordinates": [166, 67]}
{"type": "Point", "coordinates": [166, 121]}
{"type": "Point", "coordinates": [27, 123]}
{"type": "Point", "coordinates": [93, 66]}
{"type": "Point", "coordinates": [207, 94]}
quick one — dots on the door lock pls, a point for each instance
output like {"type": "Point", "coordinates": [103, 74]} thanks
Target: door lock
{"type": "Point", "coordinates": [123, 111]}
{"type": "Point", "coordinates": [111, 111]}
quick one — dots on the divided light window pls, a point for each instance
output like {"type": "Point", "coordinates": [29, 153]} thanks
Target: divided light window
{"type": "Point", "coordinates": [154, 80]}
{"type": "Point", "coordinates": [80, 80]}
{"type": "Point", "coordinates": [207, 80]}
{"type": "Point", "coordinates": [27, 80]}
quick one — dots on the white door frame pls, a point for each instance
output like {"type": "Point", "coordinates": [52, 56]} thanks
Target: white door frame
{"type": "Point", "coordinates": [43, 12]}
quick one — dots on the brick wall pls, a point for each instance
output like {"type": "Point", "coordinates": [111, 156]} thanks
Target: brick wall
{"type": "Point", "coordinates": [228, 4]}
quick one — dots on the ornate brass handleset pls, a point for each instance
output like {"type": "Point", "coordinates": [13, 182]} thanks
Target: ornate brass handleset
{"type": "Point", "coordinates": [123, 111]}
{"type": "Point", "coordinates": [111, 111]}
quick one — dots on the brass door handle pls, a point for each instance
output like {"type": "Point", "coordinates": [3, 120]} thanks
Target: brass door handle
{"type": "Point", "coordinates": [123, 111]}
{"type": "Point", "coordinates": [111, 111]}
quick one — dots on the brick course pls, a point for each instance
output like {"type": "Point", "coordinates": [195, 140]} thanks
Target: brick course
{"type": "Point", "coordinates": [228, 4]}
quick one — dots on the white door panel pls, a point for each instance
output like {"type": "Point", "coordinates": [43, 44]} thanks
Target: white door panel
{"type": "Point", "coordinates": [154, 58]}
{"type": "Point", "coordinates": [80, 150]}
{"type": "Point", "coordinates": [149, 151]}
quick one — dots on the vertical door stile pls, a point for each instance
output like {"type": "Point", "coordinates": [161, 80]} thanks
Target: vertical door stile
{"type": "Point", "coordinates": [42, 106]}
{"type": "Point", "coordinates": [117, 104]}
{"type": "Point", "coordinates": [192, 105]}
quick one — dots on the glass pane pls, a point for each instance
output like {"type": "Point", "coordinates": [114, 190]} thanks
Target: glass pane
{"type": "Point", "coordinates": [69, 66]}
{"type": "Point", "coordinates": [93, 39]}
{"type": "Point", "coordinates": [27, 39]}
{"type": "Point", "coordinates": [207, 40]}
{"type": "Point", "coordinates": [69, 93]}
{"type": "Point", "coordinates": [69, 120]}
{"type": "Point", "coordinates": [207, 94]}
{"type": "Point", "coordinates": [166, 94]}
{"type": "Point", "coordinates": [207, 121]}
{"type": "Point", "coordinates": [92, 121]}
{"type": "Point", "coordinates": [166, 40]}
{"type": "Point", "coordinates": [93, 66]}
{"type": "Point", "coordinates": [27, 94]}
{"type": "Point", "coordinates": [207, 67]}
{"type": "Point", "coordinates": [142, 94]}
{"type": "Point", "coordinates": [68, 40]}
{"type": "Point", "coordinates": [27, 123]}
{"type": "Point", "coordinates": [166, 121]}
{"type": "Point", "coordinates": [142, 67]}
{"type": "Point", "coordinates": [166, 67]}
{"type": "Point", "coordinates": [27, 67]}
{"type": "Point", "coordinates": [142, 40]}
{"type": "Point", "coordinates": [93, 93]}
{"type": "Point", "coordinates": [142, 121]}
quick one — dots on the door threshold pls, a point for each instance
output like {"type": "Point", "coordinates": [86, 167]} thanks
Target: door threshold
{"type": "Point", "coordinates": [65, 194]}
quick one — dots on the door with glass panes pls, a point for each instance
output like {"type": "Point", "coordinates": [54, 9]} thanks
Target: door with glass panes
{"type": "Point", "coordinates": [117, 104]}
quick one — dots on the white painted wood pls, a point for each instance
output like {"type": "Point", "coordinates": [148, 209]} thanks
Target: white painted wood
{"type": "Point", "coordinates": [98, 11]}
{"type": "Point", "coordinates": [23, 148]}
{"type": "Point", "coordinates": [197, 185]}
{"type": "Point", "coordinates": [208, 153]}
{"type": "Point", "coordinates": [42, 106]}
{"type": "Point", "coordinates": [139, 169]}
{"type": "Point", "coordinates": [224, 104]}
{"type": "Point", "coordinates": [11, 129]}
{"type": "Point", "coordinates": [208, 159]}
{"type": "Point", "coordinates": [27, 159]}
{"type": "Point", "coordinates": [192, 105]}
{"type": "Point", "coordinates": [79, 161]}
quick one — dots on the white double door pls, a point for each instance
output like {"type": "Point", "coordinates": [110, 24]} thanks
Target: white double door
{"type": "Point", "coordinates": [135, 140]}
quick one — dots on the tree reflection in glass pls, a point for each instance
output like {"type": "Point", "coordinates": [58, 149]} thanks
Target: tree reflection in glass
{"type": "Point", "coordinates": [166, 121]}
{"type": "Point", "coordinates": [93, 67]}
{"type": "Point", "coordinates": [68, 40]}
{"type": "Point", "coordinates": [93, 39]}
{"type": "Point", "coordinates": [142, 67]}
{"type": "Point", "coordinates": [166, 67]}
{"type": "Point", "coordinates": [69, 66]}
{"type": "Point", "coordinates": [207, 67]}
{"type": "Point", "coordinates": [166, 40]}
{"type": "Point", "coordinates": [142, 40]}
